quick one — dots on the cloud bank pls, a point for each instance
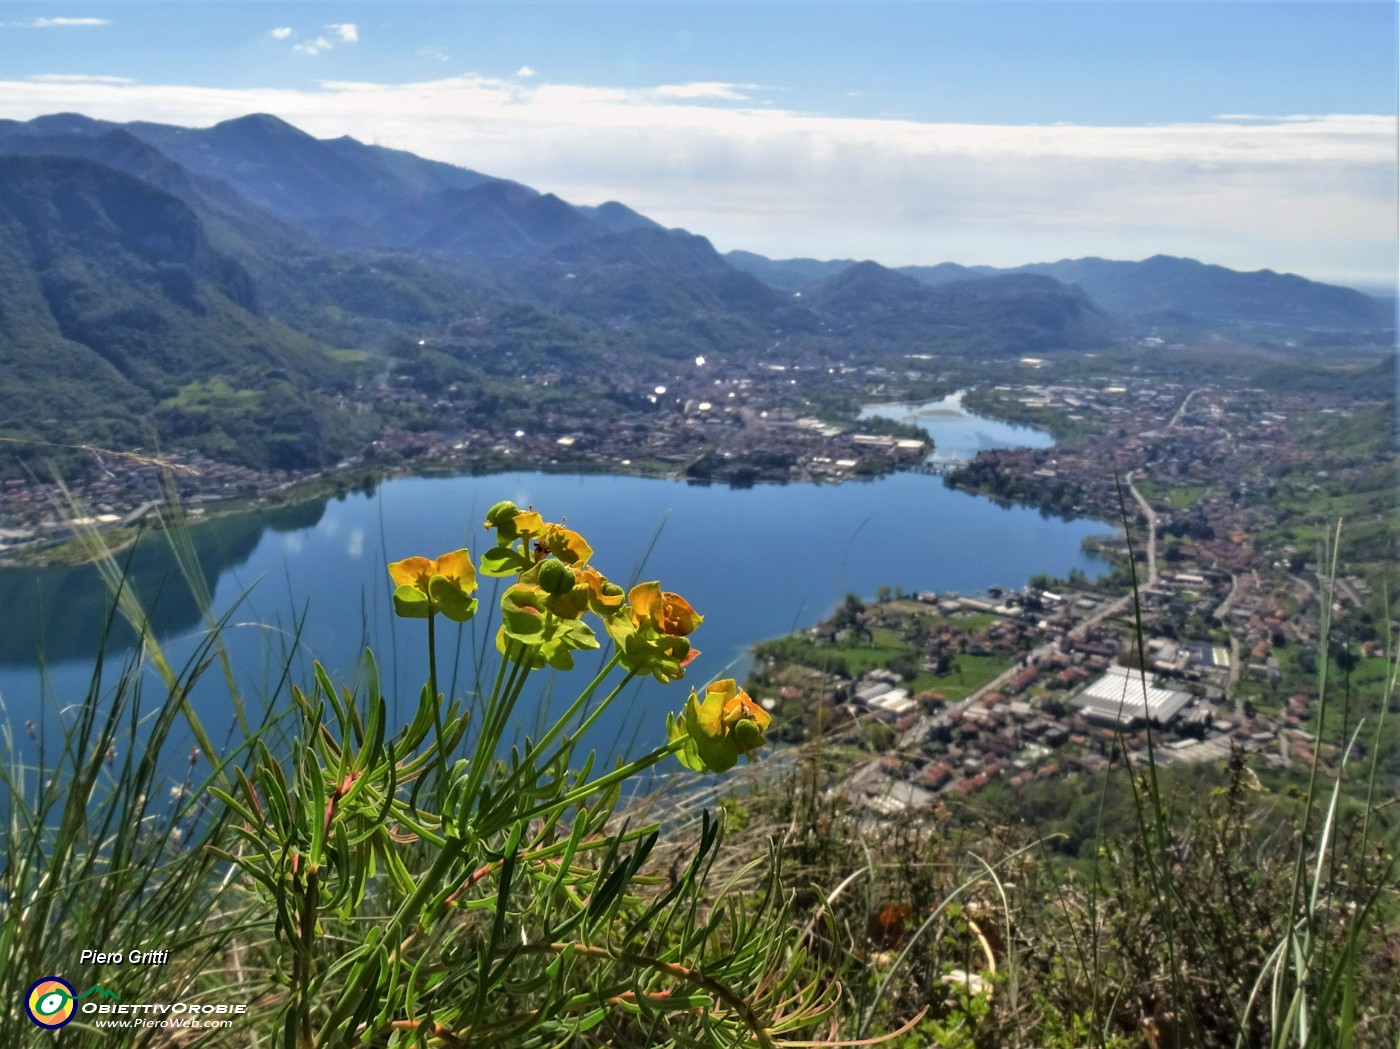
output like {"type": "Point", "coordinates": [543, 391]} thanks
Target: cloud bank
{"type": "Point", "coordinates": [1309, 193]}
{"type": "Point", "coordinates": [58, 23]}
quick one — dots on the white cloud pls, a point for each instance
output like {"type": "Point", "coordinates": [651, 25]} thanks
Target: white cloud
{"type": "Point", "coordinates": [340, 33]}
{"type": "Point", "coordinates": [525, 71]}
{"type": "Point", "coordinates": [281, 32]}
{"type": "Point", "coordinates": [1311, 194]}
{"type": "Point", "coordinates": [705, 89]}
{"type": "Point", "coordinates": [60, 23]}
{"type": "Point", "coordinates": [79, 78]}
{"type": "Point", "coordinates": [313, 47]}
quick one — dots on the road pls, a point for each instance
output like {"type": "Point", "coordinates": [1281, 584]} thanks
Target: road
{"type": "Point", "coordinates": [1340, 586]}
{"type": "Point", "coordinates": [1223, 609]}
{"type": "Point", "coordinates": [1230, 691]}
{"type": "Point", "coordinates": [1182, 410]}
{"type": "Point", "coordinates": [918, 732]}
{"type": "Point", "coordinates": [1151, 516]}
{"type": "Point", "coordinates": [136, 515]}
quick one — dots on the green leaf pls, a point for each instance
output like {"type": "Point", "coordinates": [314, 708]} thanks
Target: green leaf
{"type": "Point", "coordinates": [579, 634]}
{"type": "Point", "coordinates": [411, 603]}
{"type": "Point", "coordinates": [688, 755]}
{"type": "Point", "coordinates": [451, 600]}
{"type": "Point", "coordinates": [503, 561]}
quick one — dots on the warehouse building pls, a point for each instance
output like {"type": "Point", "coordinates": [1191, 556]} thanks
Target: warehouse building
{"type": "Point", "coordinates": [1119, 698]}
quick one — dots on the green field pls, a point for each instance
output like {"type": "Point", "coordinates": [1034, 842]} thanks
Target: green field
{"type": "Point", "coordinates": [885, 649]}
{"type": "Point", "coordinates": [197, 397]}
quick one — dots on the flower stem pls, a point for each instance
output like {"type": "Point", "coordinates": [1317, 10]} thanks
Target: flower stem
{"type": "Point", "coordinates": [498, 708]}
{"type": "Point", "coordinates": [593, 786]}
{"type": "Point", "coordinates": [433, 689]}
{"type": "Point", "coordinates": [577, 733]}
{"type": "Point", "coordinates": [532, 761]}
{"type": "Point", "coordinates": [578, 704]}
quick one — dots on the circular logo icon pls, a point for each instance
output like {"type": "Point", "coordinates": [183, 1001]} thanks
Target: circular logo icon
{"type": "Point", "coordinates": [50, 1002]}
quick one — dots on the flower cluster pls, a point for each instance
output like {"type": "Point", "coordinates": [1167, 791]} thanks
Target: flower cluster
{"type": "Point", "coordinates": [715, 730]}
{"type": "Point", "coordinates": [542, 623]}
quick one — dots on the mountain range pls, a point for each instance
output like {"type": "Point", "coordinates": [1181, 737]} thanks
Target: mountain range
{"type": "Point", "coordinates": [1162, 289]}
{"type": "Point", "coordinates": [224, 285]}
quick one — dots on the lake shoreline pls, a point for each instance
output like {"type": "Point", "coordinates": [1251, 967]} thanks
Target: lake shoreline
{"type": "Point", "coordinates": [97, 538]}
{"type": "Point", "coordinates": [833, 538]}
{"type": "Point", "coordinates": [64, 551]}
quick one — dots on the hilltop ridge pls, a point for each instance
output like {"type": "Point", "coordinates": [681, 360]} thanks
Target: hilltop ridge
{"type": "Point", "coordinates": [348, 269]}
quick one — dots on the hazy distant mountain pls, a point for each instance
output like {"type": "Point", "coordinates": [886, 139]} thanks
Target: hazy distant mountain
{"type": "Point", "coordinates": [356, 195]}
{"type": "Point", "coordinates": [1019, 311]}
{"type": "Point", "coordinates": [296, 176]}
{"type": "Point", "coordinates": [1175, 290]}
{"type": "Point", "coordinates": [666, 287]}
{"type": "Point", "coordinates": [947, 272]}
{"type": "Point", "coordinates": [1164, 284]}
{"type": "Point", "coordinates": [497, 220]}
{"type": "Point", "coordinates": [787, 274]}
{"type": "Point", "coordinates": [617, 218]}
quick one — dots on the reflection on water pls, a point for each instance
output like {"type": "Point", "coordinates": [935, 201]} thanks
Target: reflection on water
{"type": "Point", "coordinates": [58, 614]}
{"type": "Point", "coordinates": [958, 435]}
{"type": "Point", "coordinates": [308, 582]}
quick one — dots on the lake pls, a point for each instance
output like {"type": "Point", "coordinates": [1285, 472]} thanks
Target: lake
{"type": "Point", "coordinates": [958, 435]}
{"type": "Point", "coordinates": [756, 562]}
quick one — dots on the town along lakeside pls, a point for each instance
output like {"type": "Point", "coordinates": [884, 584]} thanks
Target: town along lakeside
{"type": "Point", "coordinates": [926, 696]}
{"type": "Point", "coordinates": [732, 441]}
{"type": "Point", "coordinates": [756, 561]}
{"type": "Point", "coordinates": [1227, 490]}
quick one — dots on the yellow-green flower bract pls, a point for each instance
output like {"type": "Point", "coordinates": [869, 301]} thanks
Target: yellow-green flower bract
{"type": "Point", "coordinates": [717, 729]}
{"type": "Point", "coordinates": [444, 585]}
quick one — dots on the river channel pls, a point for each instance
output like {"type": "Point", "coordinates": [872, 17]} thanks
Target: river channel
{"type": "Point", "coordinates": [757, 562]}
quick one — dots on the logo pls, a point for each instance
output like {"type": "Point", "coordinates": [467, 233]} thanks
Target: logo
{"type": "Point", "coordinates": [50, 1002]}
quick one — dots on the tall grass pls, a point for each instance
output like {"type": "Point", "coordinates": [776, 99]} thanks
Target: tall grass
{"type": "Point", "coordinates": [105, 843]}
{"type": "Point", "coordinates": [348, 883]}
{"type": "Point", "coordinates": [1228, 916]}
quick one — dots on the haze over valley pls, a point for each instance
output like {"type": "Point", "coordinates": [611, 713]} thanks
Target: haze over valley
{"type": "Point", "coordinates": [325, 282]}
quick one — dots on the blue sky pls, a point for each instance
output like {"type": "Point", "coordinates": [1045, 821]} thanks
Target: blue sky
{"type": "Point", "coordinates": [1251, 134]}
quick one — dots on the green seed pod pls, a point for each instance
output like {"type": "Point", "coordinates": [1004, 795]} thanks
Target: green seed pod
{"type": "Point", "coordinates": [556, 577]}
{"type": "Point", "coordinates": [502, 518]}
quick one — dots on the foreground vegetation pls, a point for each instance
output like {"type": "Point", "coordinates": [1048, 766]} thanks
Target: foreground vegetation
{"type": "Point", "coordinates": [351, 882]}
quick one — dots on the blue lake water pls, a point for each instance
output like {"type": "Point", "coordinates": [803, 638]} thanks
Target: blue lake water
{"type": "Point", "coordinates": [957, 433]}
{"type": "Point", "coordinates": [755, 562]}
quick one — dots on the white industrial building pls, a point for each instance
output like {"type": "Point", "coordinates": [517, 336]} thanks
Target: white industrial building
{"type": "Point", "coordinates": [1121, 697]}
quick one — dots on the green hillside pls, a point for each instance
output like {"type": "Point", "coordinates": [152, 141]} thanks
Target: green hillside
{"type": "Point", "coordinates": [112, 301]}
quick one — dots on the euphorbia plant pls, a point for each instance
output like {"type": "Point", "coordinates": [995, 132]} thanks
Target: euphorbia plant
{"type": "Point", "coordinates": [430, 888]}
